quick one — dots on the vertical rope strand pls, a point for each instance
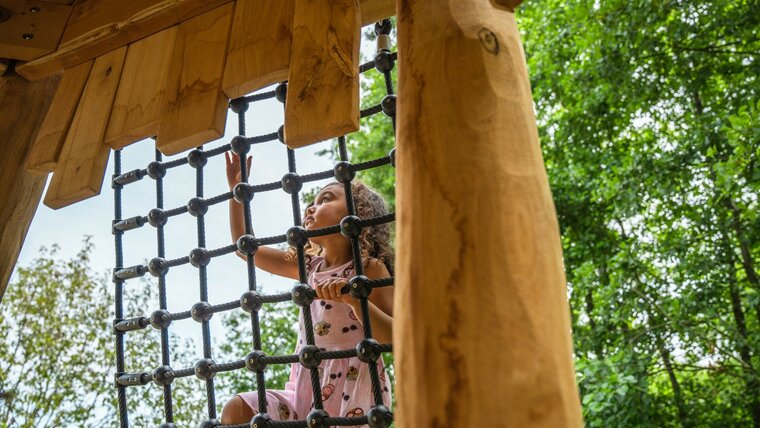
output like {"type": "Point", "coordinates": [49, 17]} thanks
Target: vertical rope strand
{"type": "Point", "coordinates": [260, 380]}
{"type": "Point", "coordinates": [203, 279]}
{"type": "Point", "coordinates": [359, 270]}
{"type": "Point", "coordinates": [119, 292]}
{"type": "Point", "coordinates": [160, 238]}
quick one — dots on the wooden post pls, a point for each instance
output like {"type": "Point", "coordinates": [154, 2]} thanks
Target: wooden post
{"type": "Point", "coordinates": [23, 106]}
{"type": "Point", "coordinates": [482, 328]}
{"type": "Point", "coordinates": [323, 84]}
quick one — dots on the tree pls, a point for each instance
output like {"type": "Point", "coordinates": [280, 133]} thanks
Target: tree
{"type": "Point", "coordinates": [645, 112]}
{"type": "Point", "coordinates": [58, 350]}
{"type": "Point", "coordinates": [55, 344]}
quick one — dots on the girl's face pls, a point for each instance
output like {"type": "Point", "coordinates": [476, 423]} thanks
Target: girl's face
{"type": "Point", "coordinates": [328, 209]}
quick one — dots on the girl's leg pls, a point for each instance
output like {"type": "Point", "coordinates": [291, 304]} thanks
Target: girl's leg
{"type": "Point", "coordinates": [236, 411]}
{"type": "Point", "coordinates": [241, 408]}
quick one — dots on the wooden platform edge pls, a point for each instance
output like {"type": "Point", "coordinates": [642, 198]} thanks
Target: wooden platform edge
{"type": "Point", "coordinates": [82, 164]}
{"type": "Point", "coordinates": [43, 155]}
{"type": "Point", "coordinates": [142, 23]}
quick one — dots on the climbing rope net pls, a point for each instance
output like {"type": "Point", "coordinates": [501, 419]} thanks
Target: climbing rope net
{"type": "Point", "coordinates": [368, 350]}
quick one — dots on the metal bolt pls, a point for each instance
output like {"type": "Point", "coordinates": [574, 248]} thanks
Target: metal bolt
{"type": "Point", "coordinates": [34, 9]}
{"type": "Point", "coordinates": [27, 36]}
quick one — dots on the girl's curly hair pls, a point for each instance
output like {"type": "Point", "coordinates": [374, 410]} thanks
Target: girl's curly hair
{"type": "Point", "coordinates": [375, 240]}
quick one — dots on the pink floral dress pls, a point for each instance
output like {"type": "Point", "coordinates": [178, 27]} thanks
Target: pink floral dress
{"type": "Point", "coordinates": [345, 383]}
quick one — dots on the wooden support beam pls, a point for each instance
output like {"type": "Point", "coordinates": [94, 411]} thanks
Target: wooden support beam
{"type": "Point", "coordinates": [46, 149]}
{"type": "Point", "coordinates": [375, 10]}
{"type": "Point", "coordinates": [259, 52]}
{"type": "Point", "coordinates": [195, 109]}
{"type": "Point", "coordinates": [23, 105]}
{"type": "Point", "coordinates": [481, 319]}
{"type": "Point", "coordinates": [323, 84]}
{"type": "Point", "coordinates": [136, 111]}
{"type": "Point", "coordinates": [82, 164]}
{"type": "Point", "coordinates": [97, 27]}
{"type": "Point", "coordinates": [33, 28]}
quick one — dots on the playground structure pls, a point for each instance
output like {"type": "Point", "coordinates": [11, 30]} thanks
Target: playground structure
{"type": "Point", "coordinates": [473, 203]}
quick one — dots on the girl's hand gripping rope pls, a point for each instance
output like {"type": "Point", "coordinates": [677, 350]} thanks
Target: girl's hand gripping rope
{"type": "Point", "coordinates": [330, 289]}
{"type": "Point", "coordinates": [232, 161]}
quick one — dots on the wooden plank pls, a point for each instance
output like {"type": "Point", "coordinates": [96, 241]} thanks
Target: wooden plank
{"type": "Point", "coordinates": [33, 28]}
{"type": "Point", "coordinates": [260, 57]}
{"type": "Point", "coordinates": [323, 83]}
{"type": "Point", "coordinates": [44, 153]}
{"type": "Point", "coordinates": [23, 105]}
{"type": "Point", "coordinates": [136, 111]}
{"type": "Point", "coordinates": [375, 10]}
{"type": "Point", "coordinates": [195, 109]}
{"type": "Point", "coordinates": [82, 164]}
{"type": "Point", "coordinates": [474, 203]}
{"type": "Point", "coordinates": [97, 27]}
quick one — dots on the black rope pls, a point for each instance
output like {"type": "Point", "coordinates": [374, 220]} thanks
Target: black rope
{"type": "Point", "coordinates": [203, 310]}
{"type": "Point", "coordinates": [260, 383]}
{"type": "Point", "coordinates": [203, 280]}
{"type": "Point", "coordinates": [119, 293]}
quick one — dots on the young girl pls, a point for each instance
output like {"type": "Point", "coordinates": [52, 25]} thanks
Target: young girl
{"type": "Point", "coordinates": [345, 383]}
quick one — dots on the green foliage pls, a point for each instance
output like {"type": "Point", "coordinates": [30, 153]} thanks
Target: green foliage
{"type": "Point", "coordinates": [648, 116]}
{"type": "Point", "coordinates": [375, 138]}
{"type": "Point", "coordinates": [58, 354]}
{"type": "Point", "coordinates": [55, 344]}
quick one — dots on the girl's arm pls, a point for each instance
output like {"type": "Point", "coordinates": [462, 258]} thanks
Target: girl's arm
{"type": "Point", "coordinates": [380, 302]}
{"type": "Point", "coordinates": [271, 260]}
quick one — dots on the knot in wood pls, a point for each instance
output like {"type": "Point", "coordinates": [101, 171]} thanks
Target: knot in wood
{"type": "Point", "coordinates": [489, 40]}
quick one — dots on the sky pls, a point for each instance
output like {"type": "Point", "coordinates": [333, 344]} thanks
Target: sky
{"type": "Point", "coordinates": [272, 215]}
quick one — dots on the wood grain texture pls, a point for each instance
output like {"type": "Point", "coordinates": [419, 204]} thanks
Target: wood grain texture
{"type": "Point", "coordinates": [98, 27]}
{"type": "Point", "coordinates": [44, 153]}
{"type": "Point", "coordinates": [82, 164]}
{"type": "Point", "coordinates": [23, 105]}
{"type": "Point", "coordinates": [136, 111]}
{"type": "Point", "coordinates": [195, 109]}
{"type": "Point", "coordinates": [259, 51]}
{"type": "Point", "coordinates": [323, 83]}
{"type": "Point", "coordinates": [509, 5]}
{"type": "Point", "coordinates": [33, 29]}
{"type": "Point", "coordinates": [481, 326]}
